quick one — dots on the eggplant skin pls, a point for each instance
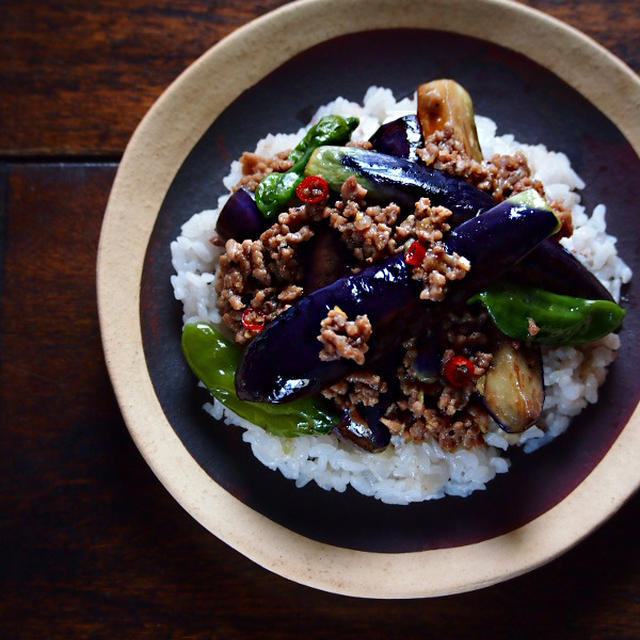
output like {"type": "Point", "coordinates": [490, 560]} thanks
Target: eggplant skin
{"type": "Point", "coordinates": [512, 390]}
{"type": "Point", "coordinates": [362, 426]}
{"type": "Point", "coordinates": [551, 267]}
{"type": "Point", "coordinates": [401, 138]}
{"type": "Point", "coordinates": [240, 217]}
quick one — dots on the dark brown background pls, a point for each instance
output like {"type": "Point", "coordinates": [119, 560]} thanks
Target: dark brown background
{"type": "Point", "coordinates": [91, 545]}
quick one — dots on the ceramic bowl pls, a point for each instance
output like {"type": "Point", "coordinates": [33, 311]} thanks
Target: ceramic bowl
{"type": "Point", "coordinates": [534, 76]}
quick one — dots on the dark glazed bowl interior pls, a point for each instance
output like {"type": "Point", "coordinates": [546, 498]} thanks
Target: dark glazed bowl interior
{"type": "Point", "coordinates": [524, 99]}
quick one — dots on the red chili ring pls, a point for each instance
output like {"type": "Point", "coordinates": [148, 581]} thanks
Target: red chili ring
{"type": "Point", "coordinates": [256, 325]}
{"type": "Point", "coordinates": [313, 189]}
{"type": "Point", "coordinates": [415, 254]}
{"type": "Point", "coordinates": [459, 371]}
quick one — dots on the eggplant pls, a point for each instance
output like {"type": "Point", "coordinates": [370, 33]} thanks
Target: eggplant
{"type": "Point", "coordinates": [361, 425]}
{"type": "Point", "coordinates": [428, 360]}
{"type": "Point", "coordinates": [240, 217]}
{"type": "Point", "coordinates": [512, 389]}
{"type": "Point", "coordinates": [388, 178]}
{"type": "Point", "coordinates": [282, 362]}
{"type": "Point", "coordinates": [326, 259]}
{"type": "Point", "coordinates": [445, 103]}
{"type": "Point", "coordinates": [401, 138]}
{"type": "Point", "coordinates": [550, 266]}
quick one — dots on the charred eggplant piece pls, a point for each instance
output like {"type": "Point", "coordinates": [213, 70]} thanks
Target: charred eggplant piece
{"type": "Point", "coordinates": [240, 217]}
{"type": "Point", "coordinates": [282, 362]}
{"type": "Point", "coordinates": [400, 138]}
{"type": "Point", "coordinates": [445, 103]}
{"type": "Point", "coordinates": [512, 390]}
{"type": "Point", "coordinates": [388, 178]}
{"type": "Point", "coordinates": [362, 426]}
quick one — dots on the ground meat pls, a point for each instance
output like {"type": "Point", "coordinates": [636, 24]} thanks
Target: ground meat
{"type": "Point", "coordinates": [465, 430]}
{"type": "Point", "coordinates": [360, 387]}
{"type": "Point", "coordinates": [351, 190]}
{"type": "Point", "coordinates": [501, 175]}
{"type": "Point", "coordinates": [436, 269]}
{"type": "Point", "coordinates": [256, 167]}
{"type": "Point", "coordinates": [434, 408]}
{"type": "Point", "coordinates": [428, 225]}
{"type": "Point", "coordinates": [452, 399]}
{"type": "Point", "coordinates": [363, 144]}
{"type": "Point", "coordinates": [280, 240]}
{"type": "Point", "coordinates": [261, 278]}
{"type": "Point", "coordinates": [466, 334]}
{"type": "Point", "coordinates": [366, 231]}
{"type": "Point", "coordinates": [344, 338]}
{"type": "Point", "coordinates": [264, 274]}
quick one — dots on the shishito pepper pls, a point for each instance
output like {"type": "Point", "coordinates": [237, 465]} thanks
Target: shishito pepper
{"type": "Point", "coordinates": [214, 360]}
{"type": "Point", "coordinates": [543, 317]}
{"type": "Point", "coordinates": [276, 189]}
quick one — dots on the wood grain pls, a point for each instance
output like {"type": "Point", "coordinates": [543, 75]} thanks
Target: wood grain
{"type": "Point", "coordinates": [77, 77]}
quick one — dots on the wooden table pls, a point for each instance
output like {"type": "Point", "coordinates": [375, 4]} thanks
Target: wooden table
{"type": "Point", "coordinates": [91, 545]}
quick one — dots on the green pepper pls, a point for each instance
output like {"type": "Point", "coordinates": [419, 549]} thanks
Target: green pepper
{"type": "Point", "coordinates": [276, 189]}
{"type": "Point", "coordinates": [214, 360]}
{"type": "Point", "coordinates": [544, 317]}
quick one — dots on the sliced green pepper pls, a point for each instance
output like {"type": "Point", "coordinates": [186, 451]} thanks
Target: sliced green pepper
{"type": "Point", "coordinates": [214, 360]}
{"type": "Point", "coordinates": [276, 189]}
{"type": "Point", "coordinates": [544, 317]}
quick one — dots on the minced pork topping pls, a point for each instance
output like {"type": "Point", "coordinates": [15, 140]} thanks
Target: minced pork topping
{"type": "Point", "coordinates": [264, 274]}
{"type": "Point", "coordinates": [501, 175]}
{"type": "Point", "coordinates": [344, 338]}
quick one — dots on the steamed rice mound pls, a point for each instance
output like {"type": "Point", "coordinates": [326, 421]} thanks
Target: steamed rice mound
{"type": "Point", "coordinates": [415, 471]}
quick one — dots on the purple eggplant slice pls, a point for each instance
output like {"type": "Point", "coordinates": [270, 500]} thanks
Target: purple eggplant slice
{"type": "Point", "coordinates": [551, 267]}
{"type": "Point", "coordinates": [401, 138]}
{"type": "Point", "coordinates": [240, 217]}
{"type": "Point", "coordinates": [362, 426]}
{"type": "Point", "coordinates": [283, 362]}
{"type": "Point", "coordinates": [512, 390]}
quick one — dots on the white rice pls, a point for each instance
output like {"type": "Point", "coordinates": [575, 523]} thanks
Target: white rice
{"type": "Point", "coordinates": [411, 472]}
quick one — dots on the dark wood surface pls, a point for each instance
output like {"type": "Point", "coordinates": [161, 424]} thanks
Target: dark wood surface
{"type": "Point", "coordinates": [91, 545]}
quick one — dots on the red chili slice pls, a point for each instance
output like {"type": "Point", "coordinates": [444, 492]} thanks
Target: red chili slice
{"type": "Point", "coordinates": [313, 189]}
{"type": "Point", "coordinates": [252, 319]}
{"type": "Point", "coordinates": [415, 254]}
{"type": "Point", "coordinates": [459, 371]}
